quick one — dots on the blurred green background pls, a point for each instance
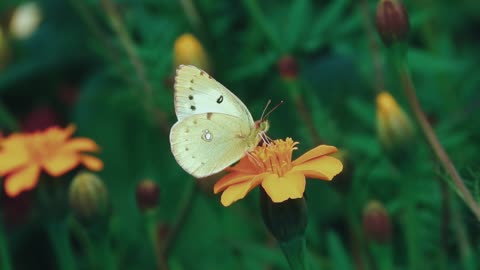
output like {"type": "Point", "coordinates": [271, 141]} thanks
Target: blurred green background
{"type": "Point", "coordinates": [108, 67]}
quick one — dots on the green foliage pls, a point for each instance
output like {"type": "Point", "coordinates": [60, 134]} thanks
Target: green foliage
{"type": "Point", "coordinates": [123, 81]}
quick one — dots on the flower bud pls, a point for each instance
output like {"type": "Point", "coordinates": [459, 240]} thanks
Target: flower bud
{"type": "Point", "coordinates": [392, 21]}
{"type": "Point", "coordinates": [147, 195]}
{"type": "Point", "coordinates": [286, 220]}
{"type": "Point", "coordinates": [287, 67]}
{"type": "Point", "coordinates": [88, 197]}
{"type": "Point", "coordinates": [25, 20]}
{"type": "Point", "coordinates": [189, 51]}
{"type": "Point", "coordinates": [394, 128]}
{"type": "Point", "coordinates": [40, 118]}
{"type": "Point", "coordinates": [376, 222]}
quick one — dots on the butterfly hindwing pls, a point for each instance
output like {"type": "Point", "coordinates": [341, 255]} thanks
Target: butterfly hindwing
{"type": "Point", "coordinates": [207, 143]}
{"type": "Point", "coordinates": [196, 92]}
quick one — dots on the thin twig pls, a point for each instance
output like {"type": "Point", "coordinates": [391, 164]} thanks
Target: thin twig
{"type": "Point", "coordinates": [185, 208]}
{"type": "Point", "coordinates": [129, 46]}
{"type": "Point", "coordinates": [432, 139]}
{"type": "Point", "coordinates": [373, 46]}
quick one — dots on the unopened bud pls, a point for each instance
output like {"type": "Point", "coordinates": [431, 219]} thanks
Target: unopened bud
{"type": "Point", "coordinates": [189, 51]}
{"type": "Point", "coordinates": [392, 21]}
{"type": "Point", "coordinates": [88, 197]}
{"type": "Point", "coordinates": [376, 222]}
{"type": "Point", "coordinates": [147, 195]}
{"type": "Point", "coordinates": [394, 128]}
{"type": "Point", "coordinates": [287, 67]}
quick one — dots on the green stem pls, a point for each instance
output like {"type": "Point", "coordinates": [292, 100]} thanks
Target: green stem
{"type": "Point", "coordinates": [262, 23]}
{"type": "Point", "coordinates": [192, 14]}
{"type": "Point", "coordinates": [7, 120]}
{"type": "Point", "coordinates": [151, 223]}
{"type": "Point", "coordinates": [94, 28]}
{"type": "Point", "coordinates": [296, 94]}
{"type": "Point", "coordinates": [411, 238]}
{"type": "Point", "coordinates": [185, 208]}
{"type": "Point", "coordinates": [383, 255]}
{"type": "Point", "coordinates": [129, 46]}
{"type": "Point", "coordinates": [59, 238]}
{"type": "Point", "coordinates": [5, 261]}
{"type": "Point", "coordinates": [103, 253]}
{"type": "Point", "coordinates": [295, 252]}
{"type": "Point", "coordinates": [429, 133]}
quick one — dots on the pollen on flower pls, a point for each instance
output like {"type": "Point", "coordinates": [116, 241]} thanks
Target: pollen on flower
{"type": "Point", "coordinates": [274, 157]}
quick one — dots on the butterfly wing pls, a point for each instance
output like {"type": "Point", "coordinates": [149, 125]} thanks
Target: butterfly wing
{"type": "Point", "coordinates": [196, 92]}
{"type": "Point", "coordinates": [207, 143]}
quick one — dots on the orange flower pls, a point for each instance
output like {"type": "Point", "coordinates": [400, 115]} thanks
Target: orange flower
{"type": "Point", "coordinates": [273, 168]}
{"type": "Point", "coordinates": [23, 156]}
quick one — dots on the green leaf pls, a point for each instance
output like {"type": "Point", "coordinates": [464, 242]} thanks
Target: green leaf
{"type": "Point", "coordinates": [331, 15]}
{"type": "Point", "coordinates": [254, 68]}
{"type": "Point", "coordinates": [297, 22]}
{"type": "Point", "coordinates": [337, 252]}
{"type": "Point", "coordinates": [426, 63]}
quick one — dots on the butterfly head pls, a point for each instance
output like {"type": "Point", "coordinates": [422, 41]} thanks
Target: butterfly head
{"type": "Point", "coordinates": [262, 126]}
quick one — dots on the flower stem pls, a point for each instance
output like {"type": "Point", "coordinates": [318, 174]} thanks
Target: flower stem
{"type": "Point", "coordinates": [431, 137]}
{"type": "Point", "coordinates": [6, 118]}
{"type": "Point", "coordinates": [5, 262]}
{"type": "Point", "coordinates": [129, 46]}
{"type": "Point", "coordinates": [59, 238]}
{"type": "Point", "coordinates": [185, 207]}
{"type": "Point", "coordinates": [295, 253]}
{"type": "Point", "coordinates": [295, 91]}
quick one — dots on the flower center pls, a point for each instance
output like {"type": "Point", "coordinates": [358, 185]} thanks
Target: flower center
{"type": "Point", "coordinates": [275, 157]}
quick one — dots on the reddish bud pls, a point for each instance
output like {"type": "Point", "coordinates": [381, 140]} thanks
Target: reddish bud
{"type": "Point", "coordinates": [40, 118]}
{"type": "Point", "coordinates": [147, 195]}
{"type": "Point", "coordinates": [392, 21]}
{"type": "Point", "coordinates": [376, 222]}
{"type": "Point", "coordinates": [287, 67]}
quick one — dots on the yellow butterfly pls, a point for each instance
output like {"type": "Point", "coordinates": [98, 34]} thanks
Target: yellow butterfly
{"type": "Point", "coordinates": [214, 127]}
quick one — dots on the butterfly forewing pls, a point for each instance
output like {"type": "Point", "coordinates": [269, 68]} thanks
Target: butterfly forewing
{"type": "Point", "coordinates": [196, 92]}
{"type": "Point", "coordinates": [207, 143]}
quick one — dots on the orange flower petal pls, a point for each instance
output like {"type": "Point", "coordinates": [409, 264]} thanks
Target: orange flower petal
{"type": "Point", "coordinates": [59, 164]}
{"type": "Point", "coordinates": [236, 192]}
{"type": "Point", "coordinates": [13, 154]}
{"type": "Point", "coordinates": [24, 179]}
{"type": "Point", "coordinates": [325, 168]}
{"type": "Point", "coordinates": [58, 134]}
{"type": "Point", "coordinates": [233, 179]}
{"type": "Point", "coordinates": [244, 166]}
{"type": "Point", "coordinates": [81, 144]}
{"type": "Point", "coordinates": [290, 186]}
{"type": "Point", "coordinates": [316, 152]}
{"type": "Point", "coordinates": [91, 163]}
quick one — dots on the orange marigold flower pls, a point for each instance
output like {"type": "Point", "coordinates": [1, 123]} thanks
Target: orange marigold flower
{"type": "Point", "coordinates": [24, 155]}
{"type": "Point", "coordinates": [271, 166]}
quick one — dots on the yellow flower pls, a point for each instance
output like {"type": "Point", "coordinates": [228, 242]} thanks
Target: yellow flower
{"type": "Point", "coordinates": [189, 51]}
{"type": "Point", "coordinates": [393, 125]}
{"type": "Point", "coordinates": [23, 156]}
{"type": "Point", "coordinates": [271, 166]}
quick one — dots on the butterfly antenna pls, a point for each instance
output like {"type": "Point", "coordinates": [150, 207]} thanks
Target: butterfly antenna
{"type": "Point", "coordinates": [273, 109]}
{"type": "Point", "coordinates": [265, 109]}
